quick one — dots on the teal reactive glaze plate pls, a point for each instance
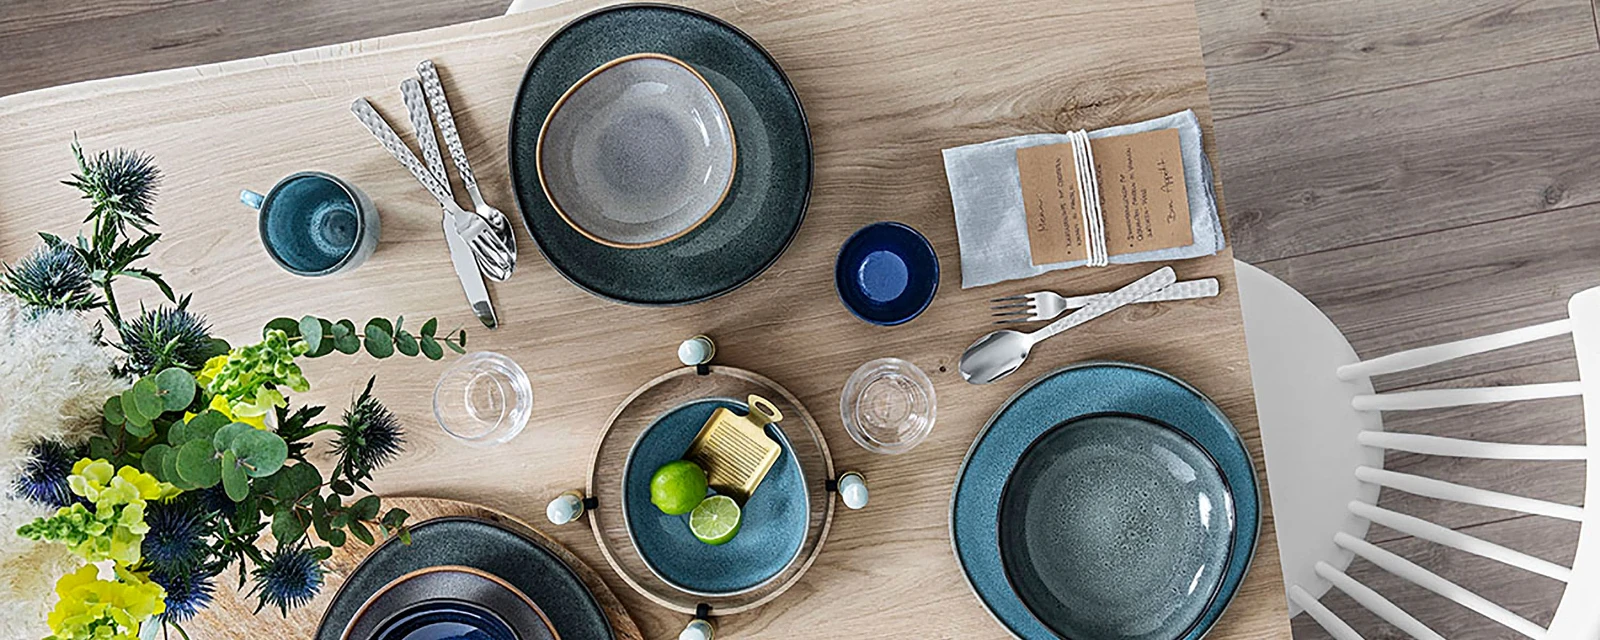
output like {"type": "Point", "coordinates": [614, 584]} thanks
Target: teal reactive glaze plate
{"type": "Point", "coordinates": [1106, 501]}
{"type": "Point", "coordinates": [772, 527]}
{"type": "Point", "coordinates": [572, 610]}
{"type": "Point", "coordinates": [771, 183]}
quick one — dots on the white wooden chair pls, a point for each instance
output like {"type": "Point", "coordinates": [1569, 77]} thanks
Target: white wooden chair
{"type": "Point", "coordinates": [1322, 432]}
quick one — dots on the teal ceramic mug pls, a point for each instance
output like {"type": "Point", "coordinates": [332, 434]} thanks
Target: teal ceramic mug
{"type": "Point", "coordinates": [315, 224]}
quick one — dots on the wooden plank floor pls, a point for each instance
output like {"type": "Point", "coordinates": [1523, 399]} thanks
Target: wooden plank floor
{"type": "Point", "coordinates": [1423, 170]}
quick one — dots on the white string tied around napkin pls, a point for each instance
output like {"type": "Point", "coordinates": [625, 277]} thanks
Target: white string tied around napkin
{"type": "Point", "coordinates": [1094, 225]}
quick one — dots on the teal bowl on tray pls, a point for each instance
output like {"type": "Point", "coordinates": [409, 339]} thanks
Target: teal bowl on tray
{"type": "Point", "coordinates": [773, 522]}
{"type": "Point", "coordinates": [771, 185]}
{"type": "Point", "coordinates": [1106, 501]}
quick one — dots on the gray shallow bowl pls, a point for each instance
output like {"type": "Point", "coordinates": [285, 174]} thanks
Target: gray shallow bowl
{"type": "Point", "coordinates": [638, 152]}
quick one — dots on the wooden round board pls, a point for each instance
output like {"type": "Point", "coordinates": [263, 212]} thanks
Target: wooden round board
{"type": "Point", "coordinates": [637, 413]}
{"type": "Point", "coordinates": [232, 615]}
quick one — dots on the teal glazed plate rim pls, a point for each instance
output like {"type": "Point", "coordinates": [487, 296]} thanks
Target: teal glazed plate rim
{"type": "Point", "coordinates": [771, 191]}
{"type": "Point", "coordinates": [1043, 406]}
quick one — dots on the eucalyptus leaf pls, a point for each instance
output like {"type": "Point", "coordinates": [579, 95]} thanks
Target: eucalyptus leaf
{"type": "Point", "coordinates": [201, 427]}
{"type": "Point", "coordinates": [113, 410]}
{"type": "Point", "coordinates": [431, 348]}
{"type": "Point", "coordinates": [260, 453]}
{"type": "Point", "coordinates": [406, 344]}
{"type": "Point", "coordinates": [177, 388]}
{"type": "Point", "coordinates": [455, 347]}
{"type": "Point", "coordinates": [382, 324]}
{"type": "Point", "coordinates": [216, 347]}
{"type": "Point", "coordinates": [360, 532]}
{"type": "Point", "coordinates": [311, 332]}
{"type": "Point", "coordinates": [223, 440]}
{"type": "Point", "coordinates": [380, 344]}
{"type": "Point", "coordinates": [348, 344]}
{"type": "Point", "coordinates": [366, 508]}
{"type": "Point", "coordinates": [100, 447]}
{"type": "Point", "coordinates": [340, 488]}
{"type": "Point", "coordinates": [287, 527]}
{"type": "Point", "coordinates": [289, 326]}
{"type": "Point", "coordinates": [234, 481]}
{"type": "Point", "coordinates": [197, 464]}
{"type": "Point", "coordinates": [140, 429]}
{"type": "Point", "coordinates": [153, 458]}
{"type": "Point", "coordinates": [462, 337]}
{"type": "Point", "coordinates": [342, 328]}
{"type": "Point", "coordinates": [335, 538]}
{"type": "Point", "coordinates": [130, 409]}
{"type": "Point", "coordinates": [430, 327]}
{"type": "Point", "coordinates": [296, 481]}
{"type": "Point", "coordinates": [327, 343]}
{"type": "Point", "coordinates": [321, 553]}
{"type": "Point", "coordinates": [147, 399]}
{"type": "Point", "coordinates": [399, 324]}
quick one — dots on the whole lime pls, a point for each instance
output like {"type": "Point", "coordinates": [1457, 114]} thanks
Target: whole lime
{"type": "Point", "coordinates": [678, 487]}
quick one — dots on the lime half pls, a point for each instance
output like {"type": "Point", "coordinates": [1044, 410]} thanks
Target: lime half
{"type": "Point", "coordinates": [716, 520]}
{"type": "Point", "coordinates": [677, 487]}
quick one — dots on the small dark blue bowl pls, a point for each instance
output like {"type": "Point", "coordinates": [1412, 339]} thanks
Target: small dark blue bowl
{"type": "Point", "coordinates": [886, 274]}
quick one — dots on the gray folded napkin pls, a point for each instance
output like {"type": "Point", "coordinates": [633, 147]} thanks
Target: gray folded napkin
{"type": "Point", "coordinates": [992, 225]}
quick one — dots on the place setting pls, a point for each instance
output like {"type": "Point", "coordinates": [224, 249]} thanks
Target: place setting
{"type": "Point", "coordinates": [658, 156]}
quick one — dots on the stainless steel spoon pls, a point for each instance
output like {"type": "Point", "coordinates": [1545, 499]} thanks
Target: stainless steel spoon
{"type": "Point", "coordinates": [996, 355]}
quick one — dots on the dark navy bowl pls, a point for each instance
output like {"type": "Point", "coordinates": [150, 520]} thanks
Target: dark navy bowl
{"type": "Point", "coordinates": [886, 274]}
{"type": "Point", "coordinates": [446, 620]}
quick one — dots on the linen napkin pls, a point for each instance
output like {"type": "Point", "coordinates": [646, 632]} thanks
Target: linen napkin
{"type": "Point", "coordinates": [992, 225]}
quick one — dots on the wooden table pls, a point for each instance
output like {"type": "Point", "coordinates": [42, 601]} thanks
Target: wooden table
{"type": "Point", "coordinates": [886, 86]}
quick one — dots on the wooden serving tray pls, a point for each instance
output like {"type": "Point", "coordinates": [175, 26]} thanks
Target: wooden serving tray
{"type": "Point", "coordinates": [232, 614]}
{"type": "Point", "coordinates": [637, 413]}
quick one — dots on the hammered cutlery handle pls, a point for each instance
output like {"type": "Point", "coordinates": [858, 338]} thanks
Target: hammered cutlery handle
{"type": "Point", "coordinates": [1137, 290]}
{"type": "Point", "coordinates": [447, 121]}
{"type": "Point", "coordinates": [391, 141]}
{"type": "Point", "coordinates": [422, 123]}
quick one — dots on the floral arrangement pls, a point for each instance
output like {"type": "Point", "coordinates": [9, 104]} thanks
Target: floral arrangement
{"type": "Point", "coordinates": [141, 456]}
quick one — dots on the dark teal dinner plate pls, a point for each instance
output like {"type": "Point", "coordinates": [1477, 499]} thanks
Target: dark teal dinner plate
{"type": "Point", "coordinates": [1106, 501]}
{"type": "Point", "coordinates": [771, 185]}
{"type": "Point", "coordinates": [541, 576]}
{"type": "Point", "coordinates": [773, 521]}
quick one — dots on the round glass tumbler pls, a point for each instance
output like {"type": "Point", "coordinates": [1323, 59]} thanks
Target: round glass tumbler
{"type": "Point", "coordinates": [888, 406]}
{"type": "Point", "coordinates": [484, 399]}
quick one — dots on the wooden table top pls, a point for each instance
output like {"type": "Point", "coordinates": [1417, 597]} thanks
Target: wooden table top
{"type": "Point", "coordinates": [886, 86]}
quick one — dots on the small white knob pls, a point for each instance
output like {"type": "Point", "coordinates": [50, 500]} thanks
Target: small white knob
{"type": "Point", "coordinates": [696, 351]}
{"type": "Point", "coordinates": [698, 629]}
{"type": "Point", "coordinates": [565, 508]}
{"type": "Point", "coordinates": [853, 489]}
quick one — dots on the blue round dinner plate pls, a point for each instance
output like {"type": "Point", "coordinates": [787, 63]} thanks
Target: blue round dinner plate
{"type": "Point", "coordinates": [773, 522]}
{"type": "Point", "coordinates": [1106, 501]}
{"type": "Point", "coordinates": [771, 186]}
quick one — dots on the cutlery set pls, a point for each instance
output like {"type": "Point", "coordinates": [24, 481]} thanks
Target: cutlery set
{"type": "Point", "coordinates": [481, 241]}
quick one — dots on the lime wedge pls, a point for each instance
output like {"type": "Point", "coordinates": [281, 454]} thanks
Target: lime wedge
{"type": "Point", "coordinates": [716, 520]}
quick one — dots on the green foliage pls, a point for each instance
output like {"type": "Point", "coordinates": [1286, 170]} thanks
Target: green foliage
{"type": "Point", "coordinates": [167, 337]}
{"type": "Point", "coordinates": [379, 337]}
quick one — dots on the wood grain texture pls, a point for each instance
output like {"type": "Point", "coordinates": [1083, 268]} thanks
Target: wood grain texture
{"type": "Point", "coordinates": [233, 615]}
{"type": "Point", "coordinates": [1271, 54]}
{"type": "Point", "coordinates": [886, 86]}
{"type": "Point", "coordinates": [629, 422]}
{"type": "Point", "coordinates": [1430, 157]}
{"type": "Point", "coordinates": [45, 43]}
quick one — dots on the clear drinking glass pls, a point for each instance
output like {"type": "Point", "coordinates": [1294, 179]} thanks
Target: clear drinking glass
{"type": "Point", "coordinates": [483, 399]}
{"type": "Point", "coordinates": [888, 406]}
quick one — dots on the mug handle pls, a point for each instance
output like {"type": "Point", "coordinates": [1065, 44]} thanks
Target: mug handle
{"type": "Point", "coordinates": [251, 199]}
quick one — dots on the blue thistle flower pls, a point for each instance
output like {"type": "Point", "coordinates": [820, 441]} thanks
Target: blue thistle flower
{"type": "Point", "coordinates": [369, 438]}
{"type": "Point", "coordinates": [44, 475]}
{"type": "Point", "coordinates": [188, 591]}
{"type": "Point", "coordinates": [121, 184]}
{"type": "Point", "coordinates": [165, 337]}
{"type": "Point", "coordinates": [52, 277]}
{"type": "Point", "coordinates": [213, 500]}
{"type": "Point", "coordinates": [176, 542]}
{"type": "Point", "coordinates": [288, 579]}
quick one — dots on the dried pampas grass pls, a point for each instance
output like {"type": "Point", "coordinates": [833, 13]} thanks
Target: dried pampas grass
{"type": "Point", "coordinates": [54, 379]}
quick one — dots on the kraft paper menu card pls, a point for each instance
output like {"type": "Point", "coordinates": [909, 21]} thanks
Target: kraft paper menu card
{"type": "Point", "coordinates": [1143, 197]}
{"type": "Point", "coordinates": [992, 220]}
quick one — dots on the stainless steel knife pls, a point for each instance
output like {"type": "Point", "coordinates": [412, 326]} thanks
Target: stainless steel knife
{"type": "Point", "coordinates": [467, 271]}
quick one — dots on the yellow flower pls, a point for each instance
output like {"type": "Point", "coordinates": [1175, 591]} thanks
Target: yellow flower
{"type": "Point", "coordinates": [95, 609]}
{"type": "Point", "coordinates": [89, 477]}
{"type": "Point", "coordinates": [220, 405]}
{"type": "Point", "coordinates": [211, 369]}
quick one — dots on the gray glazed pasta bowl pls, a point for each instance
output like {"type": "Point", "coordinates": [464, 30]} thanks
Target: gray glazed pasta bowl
{"type": "Point", "coordinates": [638, 152]}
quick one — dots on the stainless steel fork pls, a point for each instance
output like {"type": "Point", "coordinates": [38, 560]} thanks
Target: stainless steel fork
{"type": "Point", "coordinates": [1046, 305]}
